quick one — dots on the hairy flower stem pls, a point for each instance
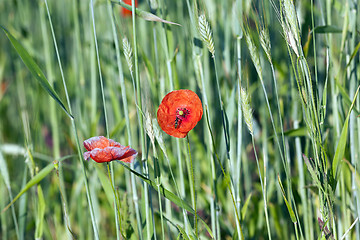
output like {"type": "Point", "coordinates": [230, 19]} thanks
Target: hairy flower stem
{"type": "Point", "coordinates": [192, 185]}
{"type": "Point", "coordinates": [116, 200]}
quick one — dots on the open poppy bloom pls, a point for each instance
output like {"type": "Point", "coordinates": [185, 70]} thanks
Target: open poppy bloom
{"type": "Point", "coordinates": [179, 112]}
{"type": "Point", "coordinates": [101, 149]}
{"type": "Point", "coordinates": [124, 11]}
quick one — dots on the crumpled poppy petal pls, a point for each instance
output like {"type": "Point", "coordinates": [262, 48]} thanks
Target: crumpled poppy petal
{"type": "Point", "coordinates": [179, 112]}
{"type": "Point", "coordinates": [129, 156]}
{"type": "Point", "coordinates": [96, 142]}
{"type": "Point", "coordinates": [101, 155]}
{"type": "Point", "coordinates": [101, 149]}
{"type": "Point", "coordinates": [87, 155]}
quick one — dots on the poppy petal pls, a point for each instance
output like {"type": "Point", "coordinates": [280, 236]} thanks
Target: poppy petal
{"type": "Point", "coordinates": [96, 142]}
{"type": "Point", "coordinates": [101, 155]}
{"type": "Point", "coordinates": [179, 112]}
{"type": "Point", "coordinates": [87, 155]}
{"type": "Point", "coordinates": [101, 149]}
{"type": "Point", "coordinates": [129, 156]}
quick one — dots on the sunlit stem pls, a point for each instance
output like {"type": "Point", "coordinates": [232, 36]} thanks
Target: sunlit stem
{"type": "Point", "coordinates": [192, 185]}
{"type": "Point", "coordinates": [116, 199]}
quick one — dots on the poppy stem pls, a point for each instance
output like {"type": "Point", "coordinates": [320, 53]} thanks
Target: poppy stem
{"type": "Point", "coordinates": [192, 186]}
{"type": "Point", "coordinates": [116, 199]}
{"type": "Point", "coordinates": [226, 175]}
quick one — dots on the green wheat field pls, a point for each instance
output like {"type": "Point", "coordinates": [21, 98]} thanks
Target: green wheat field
{"type": "Point", "coordinates": [276, 154]}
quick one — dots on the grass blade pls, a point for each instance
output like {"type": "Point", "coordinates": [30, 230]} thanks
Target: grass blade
{"type": "Point", "coordinates": [35, 180]}
{"type": "Point", "coordinates": [340, 149]}
{"type": "Point", "coordinates": [291, 212]}
{"type": "Point", "coordinates": [326, 29]}
{"type": "Point", "coordinates": [40, 213]}
{"type": "Point", "coordinates": [34, 69]}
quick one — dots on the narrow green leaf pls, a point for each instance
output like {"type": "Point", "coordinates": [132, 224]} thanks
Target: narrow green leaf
{"type": "Point", "coordinates": [40, 214]}
{"type": "Point", "coordinates": [245, 207]}
{"type": "Point", "coordinates": [35, 180]}
{"type": "Point", "coordinates": [353, 54]}
{"type": "Point", "coordinates": [340, 149]}
{"type": "Point", "coordinates": [182, 232]}
{"type": "Point", "coordinates": [291, 212]}
{"type": "Point", "coordinates": [327, 29]}
{"type": "Point", "coordinates": [298, 132]}
{"type": "Point", "coordinates": [35, 69]}
{"type": "Point", "coordinates": [169, 195]}
{"type": "Point", "coordinates": [145, 15]}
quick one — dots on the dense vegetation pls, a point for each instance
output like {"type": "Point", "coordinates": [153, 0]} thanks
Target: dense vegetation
{"type": "Point", "coordinates": [275, 155]}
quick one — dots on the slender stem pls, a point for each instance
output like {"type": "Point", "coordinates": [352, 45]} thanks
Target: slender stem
{"type": "Point", "coordinates": [147, 202]}
{"type": "Point", "coordinates": [158, 184]}
{"type": "Point", "coordinates": [262, 188]}
{"type": "Point", "coordinates": [127, 120]}
{"type": "Point", "coordinates": [99, 68]}
{"type": "Point", "coordinates": [227, 143]}
{"type": "Point", "coordinates": [226, 175]}
{"type": "Point", "coordinates": [112, 178]}
{"type": "Point", "coordinates": [182, 181]}
{"type": "Point", "coordinates": [80, 155]}
{"type": "Point", "coordinates": [116, 200]}
{"type": "Point", "coordinates": [213, 202]}
{"type": "Point", "coordinates": [239, 133]}
{"type": "Point", "coordinates": [54, 118]}
{"type": "Point", "coordinates": [192, 186]}
{"type": "Point", "coordinates": [139, 108]}
{"type": "Point", "coordinates": [314, 41]}
{"type": "Point", "coordinates": [222, 111]}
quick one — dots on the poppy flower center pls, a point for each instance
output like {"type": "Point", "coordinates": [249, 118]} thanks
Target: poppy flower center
{"type": "Point", "coordinates": [181, 114]}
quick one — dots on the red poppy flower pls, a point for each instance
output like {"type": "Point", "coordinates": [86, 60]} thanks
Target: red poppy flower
{"type": "Point", "coordinates": [101, 149]}
{"type": "Point", "coordinates": [179, 112]}
{"type": "Point", "coordinates": [124, 11]}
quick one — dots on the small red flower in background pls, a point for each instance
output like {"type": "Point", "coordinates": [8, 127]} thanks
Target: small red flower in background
{"type": "Point", "coordinates": [124, 11]}
{"type": "Point", "coordinates": [101, 149]}
{"type": "Point", "coordinates": [179, 112]}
